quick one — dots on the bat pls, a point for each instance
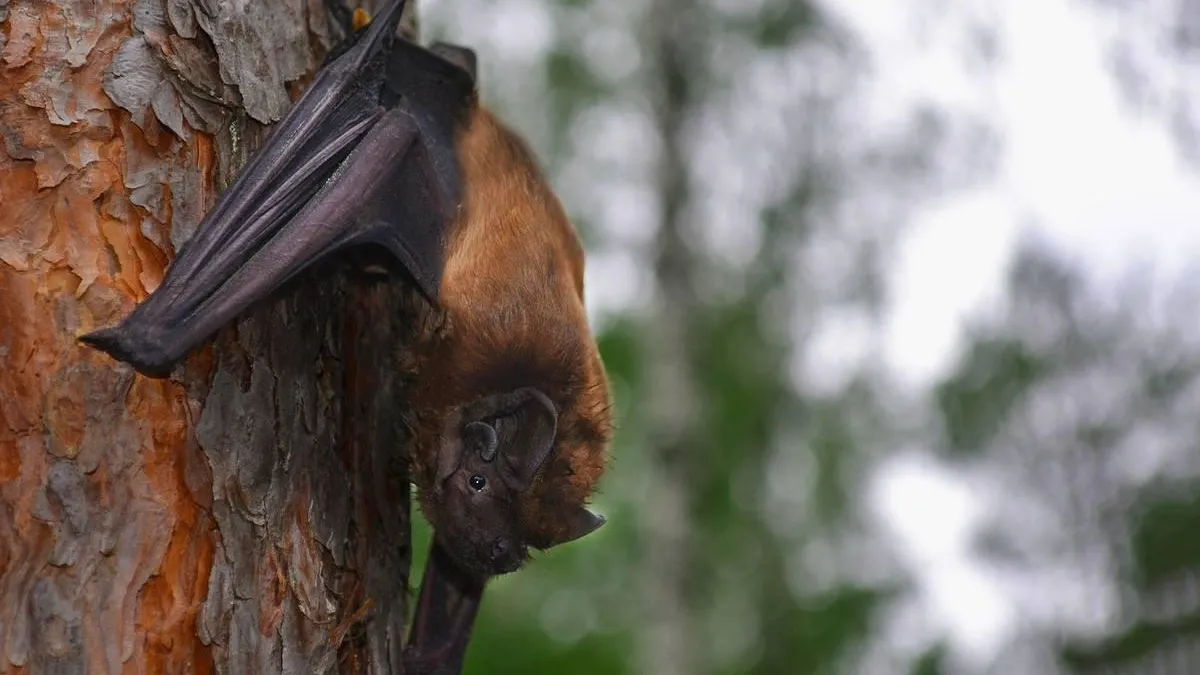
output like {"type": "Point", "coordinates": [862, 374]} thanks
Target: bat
{"type": "Point", "coordinates": [390, 147]}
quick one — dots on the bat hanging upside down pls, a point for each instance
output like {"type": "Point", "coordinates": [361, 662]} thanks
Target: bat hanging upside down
{"type": "Point", "coordinates": [389, 146]}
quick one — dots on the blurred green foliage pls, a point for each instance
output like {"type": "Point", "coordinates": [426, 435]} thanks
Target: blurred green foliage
{"type": "Point", "coordinates": [975, 402]}
{"type": "Point", "coordinates": [787, 568]}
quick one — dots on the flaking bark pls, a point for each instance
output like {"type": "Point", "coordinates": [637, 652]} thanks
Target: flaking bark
{"type": "Point", "coordinates": [249, 514]}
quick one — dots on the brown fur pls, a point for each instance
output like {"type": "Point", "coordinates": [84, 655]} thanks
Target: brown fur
{"type": "Point", "coordinates": [512, 297]}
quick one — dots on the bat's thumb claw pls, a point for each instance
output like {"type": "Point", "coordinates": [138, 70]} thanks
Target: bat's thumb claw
{"type": "Point", "coordinates": [107, 340]}
{"type": "Point", "coordinates": [144, 355]}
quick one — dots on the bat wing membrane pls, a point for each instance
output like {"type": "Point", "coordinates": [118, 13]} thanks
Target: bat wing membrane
{"type": "Point", "coordinates": [383, 193]}
{"type": "Point", "coordinates": [317, 133]}
{"type": "Point", "coordinates": [340, 169]}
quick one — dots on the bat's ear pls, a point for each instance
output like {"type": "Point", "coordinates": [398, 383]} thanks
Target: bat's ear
{"type": "Point", "coordinates": [528, 435]}
{"type": "Point", "coordinates": [582, 523]}
{"type": "Point", "coordinates": [515, 431]}
{"type": "Point", "coordinates": [463, 57]}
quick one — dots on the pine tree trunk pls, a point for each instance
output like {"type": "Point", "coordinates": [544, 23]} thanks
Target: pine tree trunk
{"type": "Point", "coordinates": [250, 513]}
{"type": "Point", "coordinates": [667, 645]}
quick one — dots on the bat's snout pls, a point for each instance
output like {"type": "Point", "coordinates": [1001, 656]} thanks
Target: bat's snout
{"type": "Point", "coordinates": [139, 350]}
{"type": "Point", "coordinates": [506, 556]}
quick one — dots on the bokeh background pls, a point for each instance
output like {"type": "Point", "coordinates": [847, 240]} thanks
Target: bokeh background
{"type": "Point", "coordinates": [898, 302]}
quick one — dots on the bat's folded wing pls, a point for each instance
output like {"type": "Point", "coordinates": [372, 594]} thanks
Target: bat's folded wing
{"type": "Point", "coordinates": [314, 137]}
{"type": "Point", "coordinates": [383, 192]}
{"type": "Point", "coordinates": [307, 192]}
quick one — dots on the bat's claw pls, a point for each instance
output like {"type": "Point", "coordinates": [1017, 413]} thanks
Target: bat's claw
{"type": "Point", "coordinates": [145, 354]}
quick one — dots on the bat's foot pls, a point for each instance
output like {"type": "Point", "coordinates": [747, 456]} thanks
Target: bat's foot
{"type": "Point", "coordinates": [349, 21]}
{"type": "Point", "coordinates": [145, 355]}
{"type": "Point", "coordinates": [350, 24]}
{"type": "Point", "coordinates": [360, 19]}
{"type": "Point", "coordinates": [342, 16]}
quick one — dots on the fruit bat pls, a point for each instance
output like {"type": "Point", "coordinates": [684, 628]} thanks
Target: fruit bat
{"type": "Point", "coordinates": [390, 147]}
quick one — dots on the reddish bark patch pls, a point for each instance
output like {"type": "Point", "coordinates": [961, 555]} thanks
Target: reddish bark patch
{"type": "Point", "coordinates": [105, 551]}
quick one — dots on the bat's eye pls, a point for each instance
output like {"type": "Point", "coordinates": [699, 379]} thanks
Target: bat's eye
{"type": "Point", "coordinates": [478, 482]}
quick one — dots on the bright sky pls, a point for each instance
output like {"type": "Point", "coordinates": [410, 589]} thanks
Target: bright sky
{"type": "Point", "coordinates": [1079, 168]}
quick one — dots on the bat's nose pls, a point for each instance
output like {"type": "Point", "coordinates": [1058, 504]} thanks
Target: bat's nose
{"type": "Point", "coordinates": [500, 548]}
{"type": "Point", "coordinates": [505, 556]}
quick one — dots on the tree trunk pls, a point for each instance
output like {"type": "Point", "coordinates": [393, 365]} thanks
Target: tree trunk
{"type": "Point", "coordinates": [249, 514]}
{"type": "Point", "coordinates": [667, 644]}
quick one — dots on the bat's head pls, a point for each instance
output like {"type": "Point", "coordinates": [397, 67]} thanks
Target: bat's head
{"type": "Point", "coordinates": [490, 455]}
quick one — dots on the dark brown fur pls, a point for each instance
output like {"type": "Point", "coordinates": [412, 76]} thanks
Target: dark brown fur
{"type": "Point", "coordinates": [513, 317]}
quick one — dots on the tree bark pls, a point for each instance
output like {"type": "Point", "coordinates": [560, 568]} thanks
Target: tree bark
{"type": "Point", "coordinates": [250, 513]}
